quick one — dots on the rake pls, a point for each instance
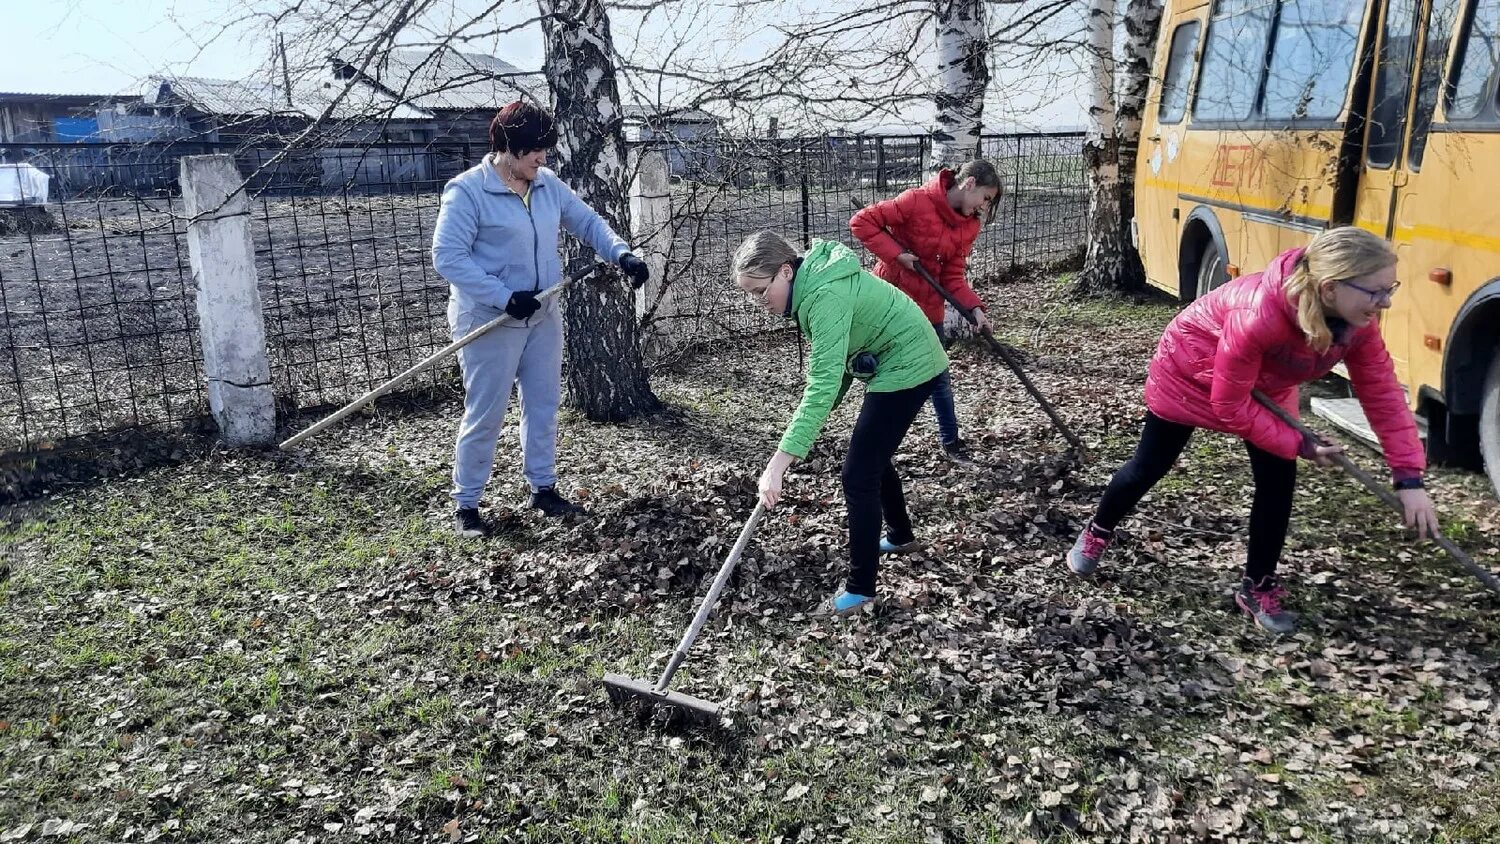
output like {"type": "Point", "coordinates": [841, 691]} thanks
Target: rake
{"type": "Point", "coordinates": [1000, 351]}
{"type": "Point", "coordinates": [1485, 576]}
{"type": "Point", "coordinates": [622, 689]}
{"type": "Point", "coordinates": [451, 349]}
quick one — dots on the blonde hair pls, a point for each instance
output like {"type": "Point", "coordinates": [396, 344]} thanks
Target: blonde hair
{"type": "Point", "coordinates": [1336, 254]}
{"type": "Point", "coordinates": [761, 255]}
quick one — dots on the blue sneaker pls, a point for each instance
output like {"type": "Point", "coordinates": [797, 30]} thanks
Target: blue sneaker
{"type": "Point", "coordinates": [889, 547]}
{"type": "Point", "coordinates": [845, 602]}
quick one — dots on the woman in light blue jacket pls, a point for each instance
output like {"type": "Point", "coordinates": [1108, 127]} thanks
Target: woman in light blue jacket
{"type": "Point", "coordinates": [496, 244]}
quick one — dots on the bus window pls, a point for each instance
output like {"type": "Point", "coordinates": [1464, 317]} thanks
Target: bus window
{"type": "Point", "coordinates": [1392, 81]}
{"type": "Point", "coordinates": [1174, 84]}
{"type": "Point", "coordinates": [1473, 94]}
{"type": "Point", "coordinates": [1311, 59]}
{"type": "Point", "coordinates": [1434, 54]}
{"type": "Point", "coordinates": [1234, 56]}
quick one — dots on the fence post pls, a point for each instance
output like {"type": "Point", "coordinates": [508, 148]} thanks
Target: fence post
{"type": "Point", "coordinates": [1015, 205]}
{"type": "Point", "coordinates": [806, 207]}
{"type": "Point", "coordinates": [651, 222]}
{"type": "Point", "coordinates": [880, 163]}
{"type": "Point", "coordinates": [230, 325]}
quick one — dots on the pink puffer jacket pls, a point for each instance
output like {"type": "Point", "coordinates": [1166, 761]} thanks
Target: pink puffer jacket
{"type": "Point", "coordinates": [1245, 335]}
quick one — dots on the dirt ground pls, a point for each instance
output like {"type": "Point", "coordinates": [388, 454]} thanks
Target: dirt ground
{"type": "Point", "coordinates": [259, 647]}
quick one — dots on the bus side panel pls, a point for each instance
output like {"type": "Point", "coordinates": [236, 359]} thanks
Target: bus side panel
{"type": "Point", "coordinates": [1446, 219]}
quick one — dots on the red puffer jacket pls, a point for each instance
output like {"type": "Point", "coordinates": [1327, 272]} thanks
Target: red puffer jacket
{"type": "Point", "coordinates": [924, 223]}
{"type": "Point", "coordinates": [1245, 335]}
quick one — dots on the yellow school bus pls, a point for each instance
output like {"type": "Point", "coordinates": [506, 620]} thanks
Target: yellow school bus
{"type": "Point", "coordinates": [1270, 120]}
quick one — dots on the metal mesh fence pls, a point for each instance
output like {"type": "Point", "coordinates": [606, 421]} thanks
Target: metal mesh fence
{"type": "Point", "coordinates": [100, 323]}
{"type": "Point", "coordinates": [808, 188]}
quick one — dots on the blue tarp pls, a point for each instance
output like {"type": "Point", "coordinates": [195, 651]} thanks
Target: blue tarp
{"type": "Point", "coordinates": [70, 129]}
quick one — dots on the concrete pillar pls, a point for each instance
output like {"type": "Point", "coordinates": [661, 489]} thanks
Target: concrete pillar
{"type": "Point", "coordinates": [231, 328]}
{"type": "Point", "coordinates": [650, 219]}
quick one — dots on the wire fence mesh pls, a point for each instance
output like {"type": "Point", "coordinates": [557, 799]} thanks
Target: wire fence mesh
{"type": "Point", "coordinates": [807, 188]}
{"type": "Point", "coordinates": [99, 310]}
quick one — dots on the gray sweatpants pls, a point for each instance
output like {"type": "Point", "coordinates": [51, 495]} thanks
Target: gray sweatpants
{"type": "Point", "coordinates": [529, 356]}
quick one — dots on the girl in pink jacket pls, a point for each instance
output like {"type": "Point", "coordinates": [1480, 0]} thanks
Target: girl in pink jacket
{"type": "Point", "coordinates": [1273, 330]}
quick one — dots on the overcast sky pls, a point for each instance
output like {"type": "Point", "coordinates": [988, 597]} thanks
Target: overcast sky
{"type": "Point", "coordinates": [109, 46]}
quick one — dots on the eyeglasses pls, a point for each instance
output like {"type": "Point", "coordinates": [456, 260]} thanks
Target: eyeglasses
{"type": "Point", "coordinates": [762, 295]}
{"type": "Point", "coordinates": [1379, 294]}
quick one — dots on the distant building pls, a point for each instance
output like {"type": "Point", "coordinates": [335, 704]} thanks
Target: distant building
{"type": "Point", "coordinates": [224, 110]}
{"type": "Point", "coordinates": [459, 92]}
{"type": "Point", "coordinates": [59, 118]}
{"type": "Point", "coordinates": [688, 137]}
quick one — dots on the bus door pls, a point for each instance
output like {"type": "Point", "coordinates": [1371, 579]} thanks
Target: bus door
{"type": "Point", "coordinates": [1402, 96]}
{"type": "Point", "coordinates": [1157, 210]}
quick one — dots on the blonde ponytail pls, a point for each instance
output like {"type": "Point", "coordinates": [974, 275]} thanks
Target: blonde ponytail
{"type": "Point", "coordinates": [1336, 254]}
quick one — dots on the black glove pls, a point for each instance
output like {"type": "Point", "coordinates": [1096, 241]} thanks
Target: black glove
{"type": "Point", "coordinates": [636, 269]}
{"type": "Point", "coordinates": [522, 304]}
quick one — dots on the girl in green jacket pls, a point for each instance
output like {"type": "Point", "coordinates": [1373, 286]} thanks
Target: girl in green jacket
{"type": "Point", "coordinates": [859, 327]}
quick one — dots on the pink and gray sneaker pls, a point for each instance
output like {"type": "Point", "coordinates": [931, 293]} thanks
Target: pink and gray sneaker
{"type": "Point", "coordinates": [1084, 556]}
{"type": "Point", "coordinates": [1262, 602]}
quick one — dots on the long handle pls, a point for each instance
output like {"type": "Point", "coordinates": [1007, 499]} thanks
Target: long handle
{"type": "Point", "coordinates": [999, 349]}
{"type": "Point", "coordinates": [712, 597]}
{"type": "Point", "coordinates": [416, 369]}
{"type": "Point", "coordinates": [1383, 493]}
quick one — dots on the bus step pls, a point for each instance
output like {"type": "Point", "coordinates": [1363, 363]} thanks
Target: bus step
{"type": "Point", "coordinates": [1349, 417]}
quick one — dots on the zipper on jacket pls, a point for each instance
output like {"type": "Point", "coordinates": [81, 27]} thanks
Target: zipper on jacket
{"type": "Point", "coordinates": [536, 247]}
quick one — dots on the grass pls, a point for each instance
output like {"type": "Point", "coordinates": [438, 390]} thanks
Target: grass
{"type": "Point", "coordinates": [181, 645]}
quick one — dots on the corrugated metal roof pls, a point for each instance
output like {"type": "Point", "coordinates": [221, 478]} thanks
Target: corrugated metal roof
{"type": "Point", "coordinates": [447, 79]}
{"type": "Point", "coordinates": [65, 99]}
{"type": "Point", "coordinates": [310, 98]}
{"type": "Point", "coordinates": [217, 96]}
{"type": "Point", "coordinates": [669, 115]}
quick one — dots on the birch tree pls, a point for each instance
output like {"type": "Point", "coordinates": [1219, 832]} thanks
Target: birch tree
{"type": "Point", "coordinates": [963, 80]}
{"type": "Point", "coordinates": [1142, 22]}
{"type": "Point", "coordinates": [1101, 154]}
{"type": "Point", "coordinates": [1114, 126]}
{"type": "Point", "coordinates": [606, 374]}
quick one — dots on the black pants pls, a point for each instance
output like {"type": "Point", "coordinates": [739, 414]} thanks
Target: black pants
{"type": "Point", "coordinates": [871, 486]}
{"type": "Point", "coordinates": [1161, 443]}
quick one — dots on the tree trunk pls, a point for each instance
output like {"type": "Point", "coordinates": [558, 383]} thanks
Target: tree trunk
{"type": "Point", "coordinates": [1142, 21]}
{"type": "Point", "coordinates": [1105, 257]}
{"type": "Point", "coordinates": [963, 75]}
{"type": "Point", "coordinates": [606, 375]}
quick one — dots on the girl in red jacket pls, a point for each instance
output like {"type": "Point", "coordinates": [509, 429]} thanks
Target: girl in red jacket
{"type": "Point", "coordinates": [935, 224]}
{"type": "Point", "coordinates": [1272, 330]}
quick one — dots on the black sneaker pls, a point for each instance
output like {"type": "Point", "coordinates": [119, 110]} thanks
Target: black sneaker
{"type": "Point", "coordinates": [469, 524]}
{"type": "Point", "coordinates": [551, 504]}
{"type": "Point", "coordinates": [957, 451]}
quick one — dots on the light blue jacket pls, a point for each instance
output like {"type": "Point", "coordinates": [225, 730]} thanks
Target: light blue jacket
{"type": "Point", "coordinates": [487, 243]}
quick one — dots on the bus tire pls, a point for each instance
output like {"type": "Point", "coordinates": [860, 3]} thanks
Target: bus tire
{"type": "Point", "coordinates": [1212, 270]}
{"type": "Point", "coordinates": [1489, 424]}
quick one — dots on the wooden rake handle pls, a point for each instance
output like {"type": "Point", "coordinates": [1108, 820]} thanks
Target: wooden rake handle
{"type": "Point", "coordinates": [451, 349]}
{"type": "Point", "coordinates": [1384, 493]}
{"type": "Point", "coordinates": [712, 598]}
{"type": "Point", "coordinates": [1003, 353]}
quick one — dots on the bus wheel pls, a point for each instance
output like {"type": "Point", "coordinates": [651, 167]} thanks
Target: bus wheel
{"type": "Point", "coordinates": [1489, 424]}
{"type": "Point", "coordinates": [1211, 269]}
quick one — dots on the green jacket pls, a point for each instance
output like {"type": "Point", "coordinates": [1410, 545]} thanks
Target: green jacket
{"type": "Point", "coordinates": [844, 310]}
